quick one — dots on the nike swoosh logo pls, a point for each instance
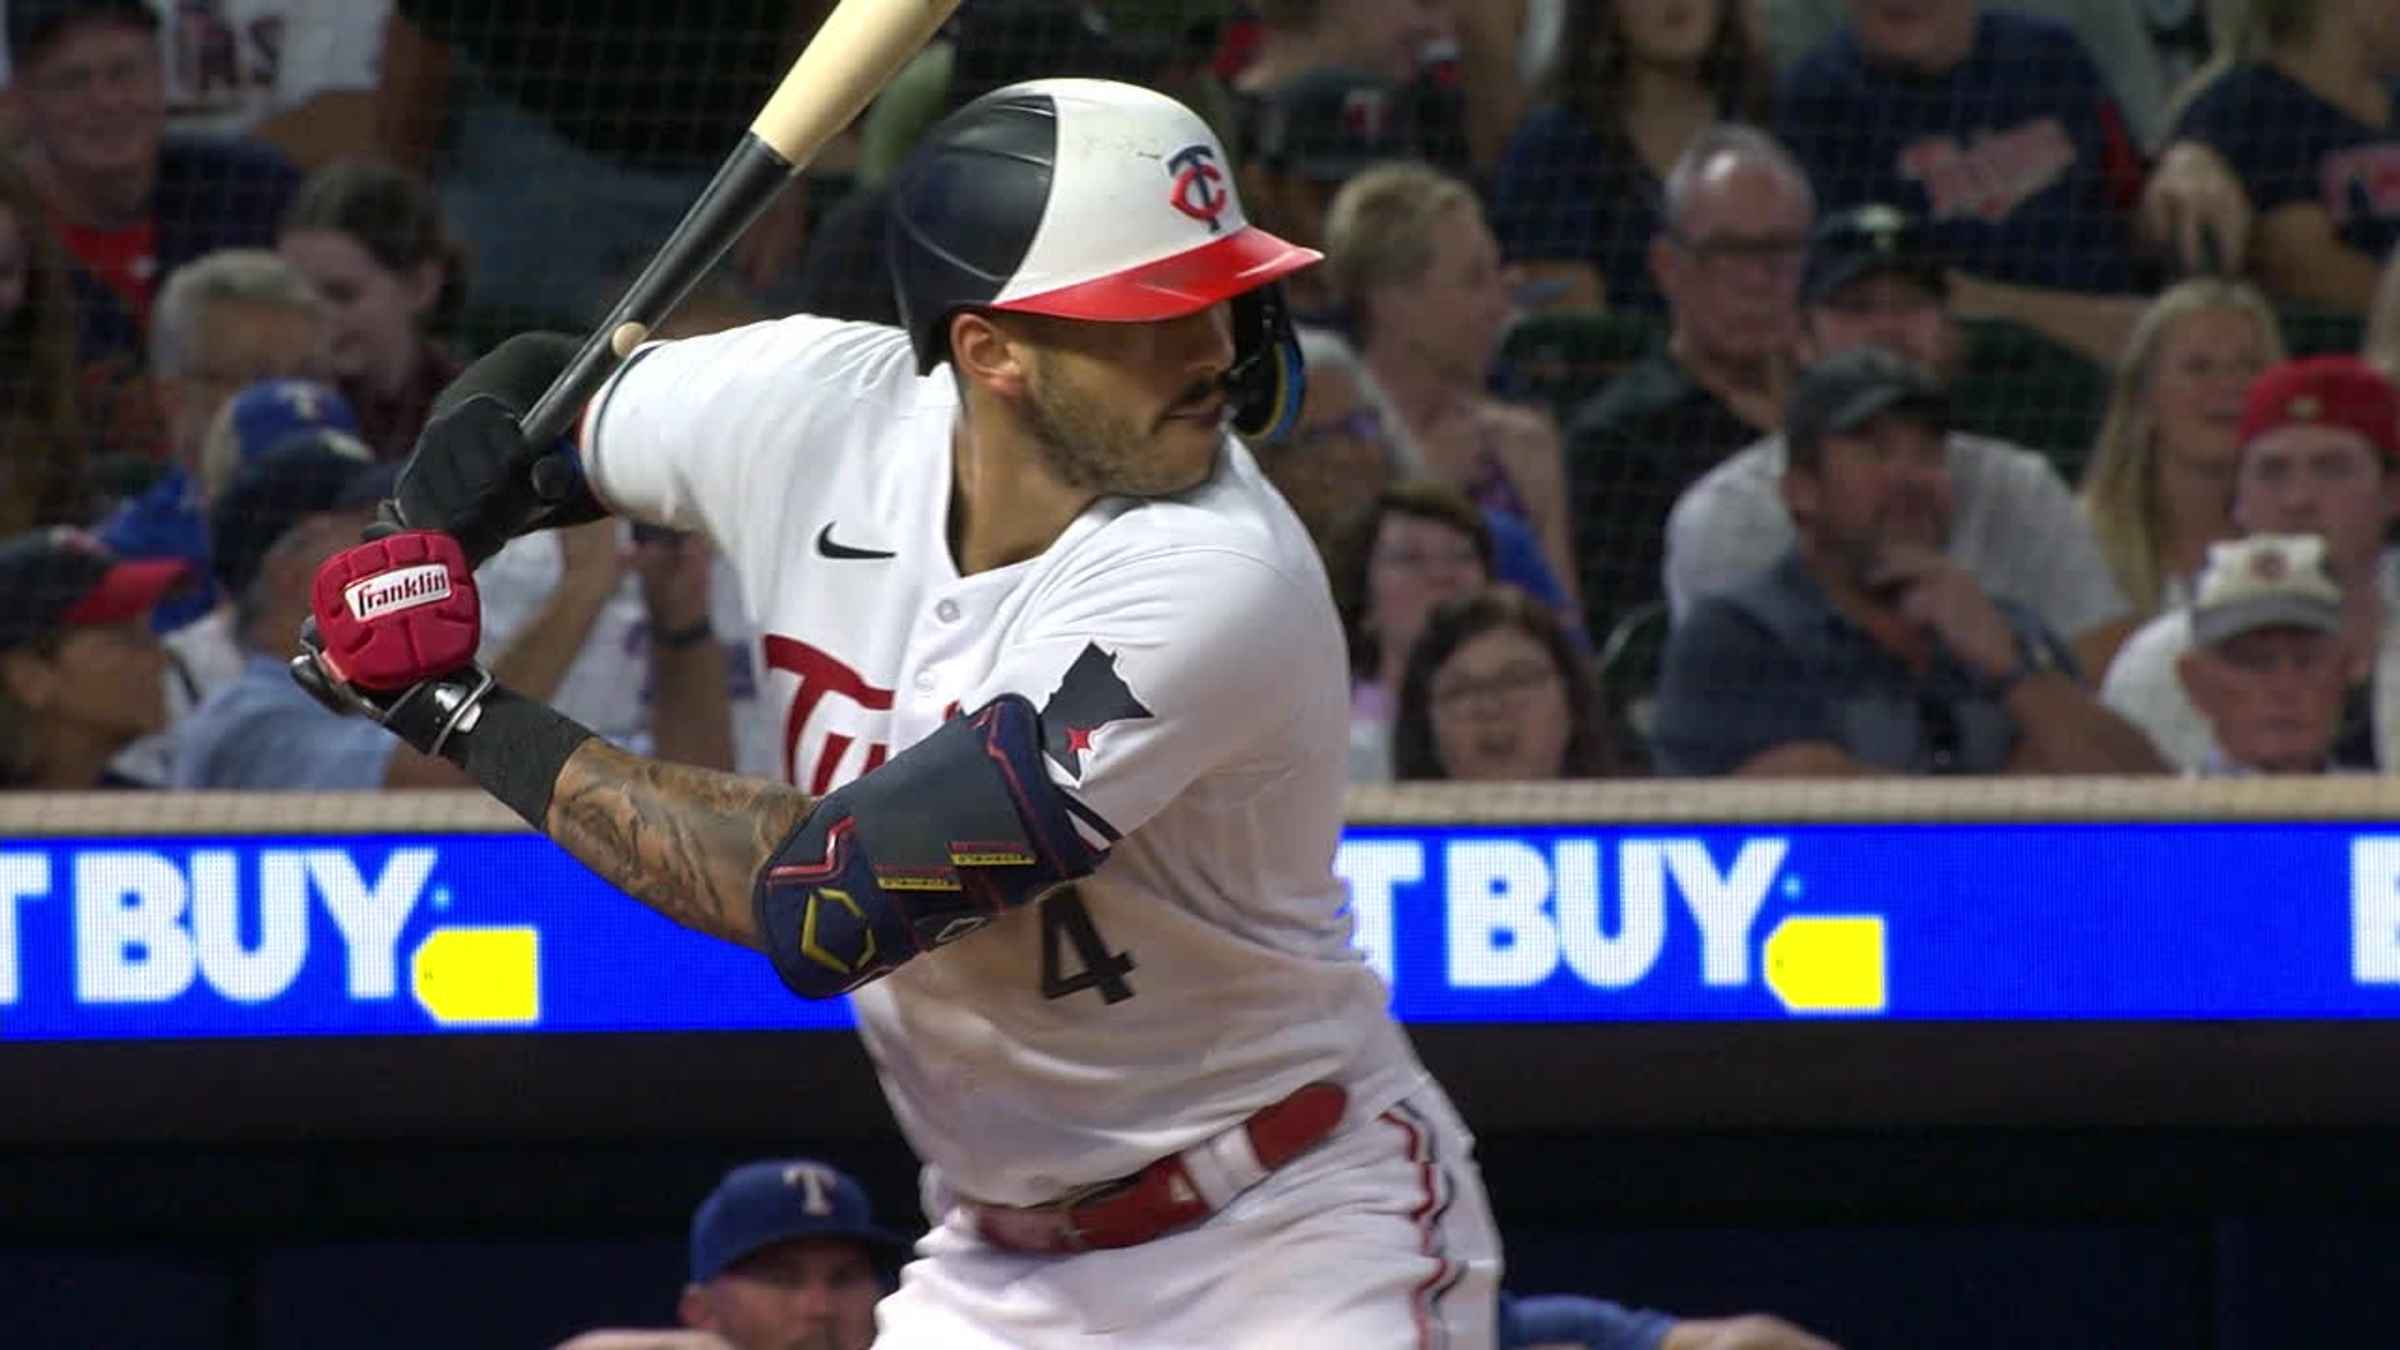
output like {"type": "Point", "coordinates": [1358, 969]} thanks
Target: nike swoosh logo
{"type": "Point", "coordinates": [830, 549]}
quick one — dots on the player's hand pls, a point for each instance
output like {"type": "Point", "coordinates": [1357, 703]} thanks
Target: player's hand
{"type": "Point", "coordinates": [1945, 599]}
{"type": "Point", "coordinates": [392, 633]}
{"type": "Point", "coordinates": [2194, 208]}
{"type": "Point", "coordinates": [1753, 1331]}
{"type": "Point", "coordinates": [472, 476]}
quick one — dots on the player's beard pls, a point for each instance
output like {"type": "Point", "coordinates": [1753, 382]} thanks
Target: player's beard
{"type": "Point", "coordinates": [1089, 444]}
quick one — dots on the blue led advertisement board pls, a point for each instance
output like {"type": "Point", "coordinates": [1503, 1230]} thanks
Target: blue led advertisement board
{"type": "Point", "coordinates": [113, 939]}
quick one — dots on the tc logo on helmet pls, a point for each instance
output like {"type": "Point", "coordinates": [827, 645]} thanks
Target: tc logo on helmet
{"type": "Point", "coordinates": [1199, 190]}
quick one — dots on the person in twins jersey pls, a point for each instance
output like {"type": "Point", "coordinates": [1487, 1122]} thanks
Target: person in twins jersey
{"type": "Point", "coordinates": [1067, 701]}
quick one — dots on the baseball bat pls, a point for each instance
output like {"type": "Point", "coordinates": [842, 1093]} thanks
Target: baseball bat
{"type": "Point", "coordinates": [860, 47]}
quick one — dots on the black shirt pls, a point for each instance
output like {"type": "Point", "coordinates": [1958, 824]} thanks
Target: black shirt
{"type": "Point", "coordinates": [1631, 450]}
{"type": "Point", "coordinates": [2287, 145]}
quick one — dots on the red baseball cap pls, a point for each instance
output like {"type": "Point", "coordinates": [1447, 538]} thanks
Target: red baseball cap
{"type": "Point", "coordinates": [2330, 391]}
{"type": "Point", "coordinates": [56, 579]}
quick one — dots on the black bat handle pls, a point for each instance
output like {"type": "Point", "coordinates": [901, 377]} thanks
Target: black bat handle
{"type": "Point", "coordinates": [744, 184]}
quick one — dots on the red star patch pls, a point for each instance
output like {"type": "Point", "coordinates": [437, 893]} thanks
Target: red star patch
{"type": "Point", "coordinates": [1079, 739]}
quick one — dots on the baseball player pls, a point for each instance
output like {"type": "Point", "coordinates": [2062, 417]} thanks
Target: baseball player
{"type": "Point", "coordinates": [1062, 749]}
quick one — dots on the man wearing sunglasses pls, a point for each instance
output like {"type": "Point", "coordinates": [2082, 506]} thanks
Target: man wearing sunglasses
{"type": "Point", "coordinates": [1866, 649]}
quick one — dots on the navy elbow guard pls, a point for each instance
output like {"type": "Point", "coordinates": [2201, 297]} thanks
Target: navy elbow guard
{"type": "Point", "coordinates": [937, 842]}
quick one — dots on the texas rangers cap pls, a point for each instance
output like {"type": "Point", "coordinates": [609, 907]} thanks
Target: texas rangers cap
{"type": "Point", "coordinates": [1843, 393]}
{"type": "Point", "coordinates": [32, 23]}
{"type": "Point", "coordinates": [2265, 581]}
{"type": "Point", "coordinates": [2332, 391]}
{"type": "Point", "coordinates": [60, 578]}
{"type": "Point", "coordinates": [760, 1204]}
{"type": "Point", "coordinates": [1326, 125]}
{"type": "Point", "coordinates": [266, 414]}
{"type": "Point", "coordinates": [1867, 241]}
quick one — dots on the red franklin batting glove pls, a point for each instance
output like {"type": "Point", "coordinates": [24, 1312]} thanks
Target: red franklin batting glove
{"type": "Point", "coordinates": [396, 612]}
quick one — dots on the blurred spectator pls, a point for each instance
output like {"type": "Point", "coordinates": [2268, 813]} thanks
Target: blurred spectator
{"type": "Point", "coordinates": [2319, 438]}
{"type": "Point", "coordinates": [1309, 136]}
{"type": "Point", "coordinates": [1576, 198]}
{"type": "Point", "coordinates": [1165, 44]}
{"type": "Point", "coordinates": [1572, 1322]}
{"type": "Point", "coordinates": [225, 322]}
{"type": "Point", "coordinates": [786, 1255]}
{"type": "Point", "coordinates": [1416, 545]}
{"type": "Point", "coordinates": [2266, 667]}
{"type": "Point", "coordinates": [567, 145]}
{"type": "Point", "coordinates": [2160, 480]}
{"type": "Point", "coordinates": [371, 238]}
{"type": "Point", "coordinates": [296, 74]}
{"type": "Point", "coordinates": [1405, 43]}
{"type": "Point", "coordinates": [43, 474]}
{"type": "Point", "coordinates": [2117, 34]}
{"type": "Point", "coordinates": [282, 516]}
{"type": "Point", "coordinates": [1873, 279]}
{"type": "Point", "coordinates": [1728, 258]}
{"type": "Point", "coordinates": [131, 203]}
{"type": "Point", "coordinates": [81, 674]}
{"type": "Point", "coordinates": [1348, 445]}
{"type": "Point", "coordinates": [2303, 114]}
{"type": "Point", "coordinates": [261, 416]}
{"type": "Point", "coordinates": [1409, 254]}
{"type": "Point", "coordinates": [1866, 650]}
{"type": "Point", "coordinates": [1997, 128]}
{"type": "Point", "coordinates": [1495, 691]}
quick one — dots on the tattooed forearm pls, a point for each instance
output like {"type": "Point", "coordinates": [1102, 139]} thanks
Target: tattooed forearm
{"type": "Point", "coordinates": [687, 842]}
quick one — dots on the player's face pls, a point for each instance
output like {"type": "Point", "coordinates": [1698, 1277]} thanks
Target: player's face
{"type": "Point", "coordinates": [2204, 364]}
{"type": "Point", "coordinates": [1500, 709]}
{"type": "Point", "coordinates": [2273, 696]}
{"type": "Point", "coordinates": [374, 311]}
{"type": "Point", "coordinates": [1455, 313]}
{"type": "Point", "coordinates": [2320, 480]}
{"type": "Point", "coordinates": [96, 100]}
{"type": "Point", "coordinates": [1416, 564]}
{"type": "Point", "coordinates": [811, 1294]}
{"type": "Point", "coordinates": [1887, 483]}
{"type": "Point", "coordinates": [1133, 409]}
{"type": "Point", "coordinates": [1888, 310]}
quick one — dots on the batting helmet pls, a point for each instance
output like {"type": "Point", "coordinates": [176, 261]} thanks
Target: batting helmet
{"type": "Point", "coordinates": [1090, 199]}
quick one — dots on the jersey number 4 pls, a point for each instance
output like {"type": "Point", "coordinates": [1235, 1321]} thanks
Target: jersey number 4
{"type": "Point", "coordinates": [1067, 922]}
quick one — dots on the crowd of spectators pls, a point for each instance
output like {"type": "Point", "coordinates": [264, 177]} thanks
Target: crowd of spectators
{"type": "Point", "coordinates": [1588, 260]}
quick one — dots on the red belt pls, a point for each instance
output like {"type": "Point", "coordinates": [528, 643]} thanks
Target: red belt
{"type": "Point", "coordinates": [1174, 1192]}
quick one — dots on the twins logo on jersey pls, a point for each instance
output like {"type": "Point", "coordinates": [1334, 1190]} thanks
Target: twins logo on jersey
{"type": "Point", "coordinates": [1090, 695]}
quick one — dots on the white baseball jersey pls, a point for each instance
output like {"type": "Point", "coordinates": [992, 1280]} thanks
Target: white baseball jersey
{"type": "Point", "coordinates": [1189, 649]}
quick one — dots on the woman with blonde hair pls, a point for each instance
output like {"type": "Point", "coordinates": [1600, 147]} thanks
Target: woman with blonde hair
{"type": "Point", "coordinates": [2160, 481]}
{"type": "Point", "coordinates": [1419, 275]}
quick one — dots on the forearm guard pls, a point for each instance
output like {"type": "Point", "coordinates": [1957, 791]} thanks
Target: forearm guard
{"type": "Point", "coordinates": [939, 841]}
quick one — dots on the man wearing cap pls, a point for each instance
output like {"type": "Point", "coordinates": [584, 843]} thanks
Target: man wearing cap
{"type": "Point", "coordinates": [786, 1255]}
{"type": "Point", "coordinates": [1873, 277]}
{"type": "Point", "coordinates": [2266, 666]}
{"type": "Point", "coordinates": [131, 203]}
{"type": "Point", "coordinates": [1866, 649]}
{"type": "Point", "coordinates": [1308, 136]}
{"type": "Point", "coordinates": [2318, 442]}
{"type": "Point", "coordinates": [81, 674]}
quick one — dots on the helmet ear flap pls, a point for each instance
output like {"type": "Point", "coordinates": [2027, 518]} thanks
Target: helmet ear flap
{"type": "Point", "coordinates": [1268, 380]}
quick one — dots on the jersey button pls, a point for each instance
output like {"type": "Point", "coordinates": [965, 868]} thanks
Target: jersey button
{"type": "Point", "coordinates": [925, 681]}
{"type": "Point", "coordinates": [947, 611]}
